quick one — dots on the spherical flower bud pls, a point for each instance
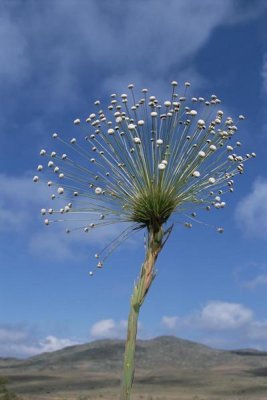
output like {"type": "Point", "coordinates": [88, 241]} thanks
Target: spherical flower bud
{"type": "Point", "coordinates": [153, 114]}
{"type": "Point", "coordinates": [64, 156]}
{"type": "Point", "coordinates": [187, 84]}
{"type": "Point", "coordinates": [241, 117]}
{"type": "Point", "coordinates": [238, 144]}
{"type": "Point", "coordinates": [174, 83]}
{"type": "Point", "coordinates": [60, 190]}
{"type": "Point", "coordinates": [46, 221]}
{"type": "Point", "coordinates": [164, 162]}
{"type": "Point", "coordinates": [61, 175]}
{"type": "Point", "coordinates": [100, 264]}
{"type": "Point", "coordinates": [192, 113]}
{"type": "Point", "coordinates": [217, 198]}
{"type": "Point", "coordinates": [56, 169]}
{"type": "Point", "coordinates": [118, 120]}
{"type": "Point", "coordinates": [159, 141]}
{"type": "Point", "coordinates": [50, 164]}
{"type": "Point", "coordinates": [220, 230]}
{"type": "Point", "coordinates": [217, 205]}
{"type": "Point", "coordinates": [253, 155]}
{"type": "Point", "coordinates": [53, 154]}
{"type": "Point", "coordinates": [111, 131]}
{"type": "Point", "coordinates": [137, 140]}
{"type": "Point", "coordinates": [229, 148]}
{"type": "Point", "coordinates": [201, 122]}
{"type": "Point", "coordinates": [196, 174]}
{"type": "Point", "coordinates": [96, 103]}
{"type": "Point", "coordinates": [42, 152]}
{"type": "Point", "coordinates": [55, 135]}
{"type": "Point", "coordinates": [49, 183]}
{"type": "Point", "coordinates": [201, 154]}
{"type": "Point", "coordinates": [91, 273]}
{"type": "Point", "coordinates": [77, 121]}
{"type": "Point", "coordinates": [223, 204]}
{"type": "Point", "coordinates": [161, 166]}
{"type": "Point", "coordinates": [98, 190]}
{"type": "Point", "coordinates": [131, 127]}
{"type": "Point", "coordinates": [35, 178]}
{"type": "Point", "coordinates": [212, 147]}
{"type": "Point", "coordinates": [167, 103]}
{"type": "Point", "coordinates": [230, 158]}
{"type": "Point", "coordinates": [40, 168]}
{"type": "Point", "coordinates": [50, 211]}
{"type": "Point", "coordinates": [73, 141]}
{"type": "Point", "coordinates": [43, 211]}
{"type": "Point", "coordinates": [212, 180]}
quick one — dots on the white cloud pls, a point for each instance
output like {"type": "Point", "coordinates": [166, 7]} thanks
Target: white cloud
{"type": "Point", "coordinates": [169, 322]}
{"type": "Point", "coordinates": [221, 324]}
{"type": "Point", "coordinates": [251, 212]}
{"type": "Point", "coordinates": [20, 341]}
{"type": "Point", "coordinates": [53, 343]}
{"type": "Point", "coordinates": [222, 315]}
{"type": "Point", "coordinates": [108, 328]}
{"type": "Point", "coordinates": [97, 40]}
{"type": "Point", "coordinates": [251, 275]}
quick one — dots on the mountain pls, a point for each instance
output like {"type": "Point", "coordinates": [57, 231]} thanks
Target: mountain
{"type": "Point", "coordinates": [164, 362]}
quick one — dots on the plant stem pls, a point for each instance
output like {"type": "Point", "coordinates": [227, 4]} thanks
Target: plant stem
{"type": "Point", "coordinates": [154, 245]}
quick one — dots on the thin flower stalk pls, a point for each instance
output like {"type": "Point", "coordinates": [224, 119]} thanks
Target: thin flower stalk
{"type": "Point", "coordinates": [142, 164]}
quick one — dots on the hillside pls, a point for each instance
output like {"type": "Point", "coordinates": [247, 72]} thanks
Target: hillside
{"type": "Point", "coordinates": [165, 363]}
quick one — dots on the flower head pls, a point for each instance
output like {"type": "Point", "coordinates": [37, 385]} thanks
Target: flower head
{"type": "Point", "coordinates": [143, 161]}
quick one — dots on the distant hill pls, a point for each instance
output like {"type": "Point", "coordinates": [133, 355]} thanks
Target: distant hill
{"type": "Point", "coordinates": [165, 361]}
{"type": "Point", "coordinates": [107, 354]}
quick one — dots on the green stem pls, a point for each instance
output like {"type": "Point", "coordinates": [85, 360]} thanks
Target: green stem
{"type": "Point", "coordinates": [147, 275]}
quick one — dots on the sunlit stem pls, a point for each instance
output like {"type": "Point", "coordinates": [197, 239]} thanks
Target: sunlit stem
{"type": "Point", "coordinates": [155, 243]}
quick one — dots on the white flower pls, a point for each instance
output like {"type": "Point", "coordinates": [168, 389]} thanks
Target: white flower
{"type": "Point", "coordinates": [121, 174]}
{"type": "Point", "coordinates": [60, 190]}
{"type": "Point", "coordinates": [161, 166]}
{"type": "Point", "coordinates": [196, 174]}
{"type": "Point", "coordinates": [98, 190]}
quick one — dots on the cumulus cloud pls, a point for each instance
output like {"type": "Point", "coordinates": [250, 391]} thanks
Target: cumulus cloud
{"type": "Point", "coordinates": [251, 212]}
{"type": "Point", "coordinates": [221, 324]}
{"type": "Point", "coordinates": [109, 328]}
{"type": "Point", "coordinates": [169, 322]}
{"type": "Point", "coordinates": [95, 43]}
{"type": "Point", "coordinates": [20, 341]}
{"type": "Point", "coordinates": [222, 315]}
{"type": "Point", "coordinates": [251, 276]}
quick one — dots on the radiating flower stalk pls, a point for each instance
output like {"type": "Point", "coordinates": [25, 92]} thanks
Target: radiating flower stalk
{"type": "Point", "coordinates": [141, 164]}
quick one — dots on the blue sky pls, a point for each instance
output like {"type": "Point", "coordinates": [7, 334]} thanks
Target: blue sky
{"type": "Point", "coordinates": [57, 58]}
